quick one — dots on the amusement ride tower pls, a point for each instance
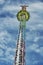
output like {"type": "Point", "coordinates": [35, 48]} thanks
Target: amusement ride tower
{"type": "Point", "coordinates": [22, 16]}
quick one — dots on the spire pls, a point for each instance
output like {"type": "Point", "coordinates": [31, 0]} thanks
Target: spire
{"type": "Point", "coordinates": [20, 52]}
{"type": "Point", "coordinates": [22, 16]}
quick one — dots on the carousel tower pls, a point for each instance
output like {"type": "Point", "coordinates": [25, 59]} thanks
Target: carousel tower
{"type": "Point", "coordinates": [22, 16]}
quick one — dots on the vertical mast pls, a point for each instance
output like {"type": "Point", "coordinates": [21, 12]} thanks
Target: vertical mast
{"type": "Point", "coordinates": [22, 16]}
{"type": "Point", "coordinates": [20, 51]}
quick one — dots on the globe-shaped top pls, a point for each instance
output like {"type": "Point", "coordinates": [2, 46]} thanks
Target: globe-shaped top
{"type": "Point", "coordinates": [23, 15]}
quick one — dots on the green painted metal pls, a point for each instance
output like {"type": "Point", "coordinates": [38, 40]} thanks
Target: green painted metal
{"type": "Point", "coordinates": [23, 15]}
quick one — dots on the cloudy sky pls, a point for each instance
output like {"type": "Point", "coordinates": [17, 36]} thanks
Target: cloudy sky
{"type": "Point", "coordinates": [9, 26]}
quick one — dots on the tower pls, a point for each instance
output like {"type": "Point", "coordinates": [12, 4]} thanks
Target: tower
{"type": "Point", "coordinates": [22, 16]}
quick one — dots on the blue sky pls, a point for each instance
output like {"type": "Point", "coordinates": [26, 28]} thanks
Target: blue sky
{"type": "Point", "coordinates": [9, 26]}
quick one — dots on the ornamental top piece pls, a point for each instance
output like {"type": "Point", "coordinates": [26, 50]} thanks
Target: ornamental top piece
{"type": "Point", "coordinates": [24, 7]}
{"type": "Point", "coordinates": [23, 15]}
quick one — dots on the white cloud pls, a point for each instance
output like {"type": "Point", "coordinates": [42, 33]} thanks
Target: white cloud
{"type": "Point", "coordinates": [8, 59]}
{"type": "Point", "coordinates": [35, 61]}
{"type": "Point", "coordinates": [9, 54]}
{"type": "Point", "coordinates": [9, 51]}
{"type": "Point", "coordinates": [4, 37]}
{"type": "Point", "coordinates": [3, 59]}
{"type": "Point", "coordinates": [32, 36]}
{"type": "Point", "coordinates": [10, 23]}
{"type": "Point", "coordinates": [37, 38]}
{"type": "Point", "coordinates": [35, 48]}
{"type": "Point", "coordinates": [1, 52]}
{"type": "Point", "coordinates": [36, 11]}
{"type": "Point", "coordinates": [41, 51]}
{"type": "Point", "coordinates": [11, 8]}
{"type": "Point", "coordinates": [2, 46]}
{"type": "Point", "coordinates": [2, 1]}
{"type": "Point", "coordinates": [5, 40]}
{"type": "Point", "coordinates": [35, 6]}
